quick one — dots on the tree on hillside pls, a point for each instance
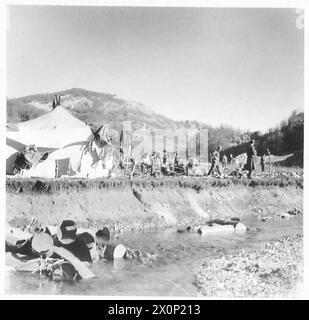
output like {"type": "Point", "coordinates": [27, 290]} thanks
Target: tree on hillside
{"type": "Point", "coordinates": [286, 138]}
{"type": "Point", "coordinates": [283, 124]}
{"type": "Point", "coordinates": [292, 117]}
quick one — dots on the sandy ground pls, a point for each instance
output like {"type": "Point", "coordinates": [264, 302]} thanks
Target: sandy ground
{"type": "Point", "coordinates": [275, 272]}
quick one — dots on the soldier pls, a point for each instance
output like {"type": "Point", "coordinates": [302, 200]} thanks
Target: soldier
{"type": "Point", "coordinates": [133, 164]}
{"type": "Point", "coordinates": [153, 163]}
{"type": "Point", "coordinates": [224, 161]}
{"type": "Point", "coordinates": [145, 164]}
{"type": "Point", "coordinates": [215, 161]}
{"type": "Point", "coordinates": [165, 163]}
{"type": "Point", "coordinates": [176, 160]}
{"type": "Point", "coordinates": [262, 162]}
{"type": "Point", "coordinates": [251, 153]}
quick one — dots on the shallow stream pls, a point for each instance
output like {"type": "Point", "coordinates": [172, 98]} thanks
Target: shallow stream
{"type": "Point", "coordinates": [180, 256]}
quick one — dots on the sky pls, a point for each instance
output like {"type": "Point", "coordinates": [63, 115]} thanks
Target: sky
{"type": "Point", "coordinates": [242, 67]}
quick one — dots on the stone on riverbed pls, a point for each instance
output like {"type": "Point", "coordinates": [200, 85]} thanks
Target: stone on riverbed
{"type": "Point", "coordinates": [240, 227]}
{"type": "Point", "coordinates": [277, 271]}
{"type": "Point", "coordinates": [216, 228]}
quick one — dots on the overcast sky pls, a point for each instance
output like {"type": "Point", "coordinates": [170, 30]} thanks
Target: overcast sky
{"type": "Point", "coordinates": [242, 67]}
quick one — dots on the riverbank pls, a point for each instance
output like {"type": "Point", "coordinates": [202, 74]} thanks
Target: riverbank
{"type": "Point", "coordinates": [275, 272]}
{"type": "Point", "coordinates": [145, 204]}
{"type": "Point", "coordinates": [20, 185]}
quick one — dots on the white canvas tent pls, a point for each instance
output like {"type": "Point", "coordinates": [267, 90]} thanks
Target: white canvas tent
{"type": "Point", "coordinates": [66, 138]}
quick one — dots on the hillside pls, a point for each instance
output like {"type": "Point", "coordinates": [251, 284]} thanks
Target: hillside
{"type": "Point", "coordinates": [97, 108]}
{"type": "Point", "coordinates": [288, 138]}
{"type": "Point", "coordinates": [90, 107]}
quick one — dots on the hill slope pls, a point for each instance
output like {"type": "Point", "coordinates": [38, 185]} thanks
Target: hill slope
{"type": "Point", "coordinates": [101, 108]}
{"type": "Point", "coordinates": [90, 107]}
{"type": "Point", "coordinates": [283, 140]}
{"type": "Point", "coordinates": [97, 108]}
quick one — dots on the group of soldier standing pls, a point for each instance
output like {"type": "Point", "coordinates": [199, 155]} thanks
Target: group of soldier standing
{"type": "Point", "coordinates": [156, 163]}
{"type": "Point", "coordinates": [249, 166]}
{"type": "Point", "coordinates": [166, 164]}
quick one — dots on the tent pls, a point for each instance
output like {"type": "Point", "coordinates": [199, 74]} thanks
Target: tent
{"type": "Point", "coordinates": [68, 141]}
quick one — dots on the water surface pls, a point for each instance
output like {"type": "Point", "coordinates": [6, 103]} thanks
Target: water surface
{"type": "Point", "coordinates": [180, 256]}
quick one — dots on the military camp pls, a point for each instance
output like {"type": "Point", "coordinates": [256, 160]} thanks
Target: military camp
{"type": "Point", "coordinates": [154, 152]}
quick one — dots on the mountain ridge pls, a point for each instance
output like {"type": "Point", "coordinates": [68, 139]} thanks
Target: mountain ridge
{"type": "Point", "coordinates": [95, 108]}
{"type": "Point", "coordinates": [89, 106]}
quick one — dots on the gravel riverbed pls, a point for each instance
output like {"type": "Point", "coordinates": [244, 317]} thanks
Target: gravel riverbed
{"type": "Point", "coordinates": [274, 272]}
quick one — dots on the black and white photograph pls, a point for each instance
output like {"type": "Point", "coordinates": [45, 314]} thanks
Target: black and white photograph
{"type": "Point", "coordinates": [154, 150]}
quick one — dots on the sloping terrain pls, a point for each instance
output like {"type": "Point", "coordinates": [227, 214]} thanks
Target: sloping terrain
{"type": "Point", "coordinates": [96, 108]}
{"type": "Point", "coordinates": [148, 203]}
{"type": "Point", "coordinates": [288, 139]}
{"type": "Point", "coordinates": [90, 107]}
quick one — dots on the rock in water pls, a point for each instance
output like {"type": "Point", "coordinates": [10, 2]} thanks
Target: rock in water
{"type": "Point", "coordinates": [215, 228]}
{"type": "Point", "coordinates": [240, 227]}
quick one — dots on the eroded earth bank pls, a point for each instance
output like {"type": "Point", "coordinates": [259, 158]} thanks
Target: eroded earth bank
{"type": "Point", "coordinates": [273, 268]}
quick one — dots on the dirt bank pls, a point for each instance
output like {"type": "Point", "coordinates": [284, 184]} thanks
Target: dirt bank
{"type": "Point", "coordinates": [275, 272]}
{"type": "Point", "coordinates": [20, 185]}
{"type": "Point", "coordinates": [147, 203]}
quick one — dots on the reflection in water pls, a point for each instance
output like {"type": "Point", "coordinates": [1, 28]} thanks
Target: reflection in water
{"type": "Point", "coordinates": [180, 255]}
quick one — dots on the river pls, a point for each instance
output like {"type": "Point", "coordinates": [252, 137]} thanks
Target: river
{"type": "Point", "coordinates": [180, 255]}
